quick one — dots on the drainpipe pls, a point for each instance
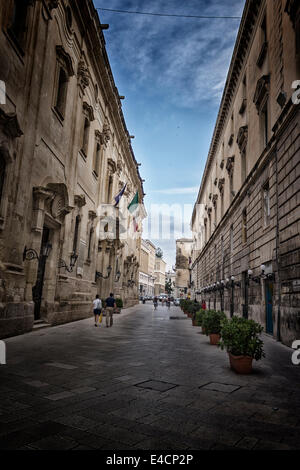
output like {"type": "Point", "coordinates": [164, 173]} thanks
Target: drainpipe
{"type": "Point", "coordinates": [277, 252]}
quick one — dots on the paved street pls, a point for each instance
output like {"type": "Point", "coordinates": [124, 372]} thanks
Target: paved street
{"type": "Point", "coordinates": [150, 382]}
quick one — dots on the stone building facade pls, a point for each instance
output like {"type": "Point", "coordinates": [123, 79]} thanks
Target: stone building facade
{"type": "Point", "coordinates": [65, 153]}
{"type": "Point", "coordinates": [246, 221]}
{"type": "Point", "coordinates": [184, 248]}
{"type": "Point", "coordinates": [146, 271]}
{"type": "Point", "coordinates": [160, 276]}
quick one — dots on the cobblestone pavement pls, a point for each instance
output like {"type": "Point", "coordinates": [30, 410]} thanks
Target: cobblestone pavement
{"type": "Point", "coordinates": [150, 382]}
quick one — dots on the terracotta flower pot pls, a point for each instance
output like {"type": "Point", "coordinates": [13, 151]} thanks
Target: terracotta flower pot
{"type": "Point", "coordinates": [214, 338]}
{"type": "Point", "coordinates": [241, 364]}
{"type": "Point", "coordinates": [203, 330]}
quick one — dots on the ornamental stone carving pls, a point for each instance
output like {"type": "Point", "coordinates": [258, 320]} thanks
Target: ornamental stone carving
{"type": "Point", "coordinates": [83, 75]}
{"type": "Point", "coordinates": [106, 133]}
{"type": "Point", "coordinates": [261, 92]}
{"type": "Point", "coordinates": [242, 138]}
{"type": "Point", "coordinates": [10, 125]}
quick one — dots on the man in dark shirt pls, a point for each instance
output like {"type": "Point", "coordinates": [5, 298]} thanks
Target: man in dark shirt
{"type": "Point", "coordinates": [110, 305]}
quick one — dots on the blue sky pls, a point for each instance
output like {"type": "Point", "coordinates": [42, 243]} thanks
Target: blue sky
{"type": "Point", "coordinates": [172, 72]}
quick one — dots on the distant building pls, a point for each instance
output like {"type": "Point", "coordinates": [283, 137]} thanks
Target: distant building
{"type": "Point", "coordinates": [183, 266]}
{"type": "Point", "coordinates": [146, 272]}
{"type": "Point", "coordinates": [171, 277]}
{"type": "Point", "coordinates": [160, 276]}
{"type": "Point", "coordinates": [246, 221]}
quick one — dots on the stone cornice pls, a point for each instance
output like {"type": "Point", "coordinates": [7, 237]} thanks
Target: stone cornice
{"type": "Point", "coordinates": [283, 121]}
{"type": "Point", "coordinates": [88, 20]}
{"type": "Point", "coordinates": [241, 46]}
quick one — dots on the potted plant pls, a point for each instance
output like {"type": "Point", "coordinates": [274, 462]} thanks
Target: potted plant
{"type": "Point", "coordinates": [198, 317]}
{"type": "Point", "coordinates": [240, 337]}
{"type": "Point", "coordinates": [212, 322]}
{"type": "Point", "coordinates": [119, 305]}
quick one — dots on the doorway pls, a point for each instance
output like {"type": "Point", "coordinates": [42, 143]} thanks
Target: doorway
{"type": "Point", "coordinates": [269, 306]}
{"type": "Point", "coordinates": [37, 290]}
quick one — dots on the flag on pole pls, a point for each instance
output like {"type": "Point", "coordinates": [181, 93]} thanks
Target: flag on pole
{"type": "Point", "coordinates": [135, 225]}
{"type": "Point", "coordinates": [118, 197]}
{"type": "Point", "coordinates": [133, 206]}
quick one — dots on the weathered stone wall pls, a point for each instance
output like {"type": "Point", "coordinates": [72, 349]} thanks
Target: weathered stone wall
{"type": "Point", "coordinates": [53, 172]}
{"type": "Point", "coordinates": [232, 233]}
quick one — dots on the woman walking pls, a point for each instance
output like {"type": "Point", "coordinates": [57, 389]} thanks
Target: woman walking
{"type": "Point", "coordinates": [97, 306]}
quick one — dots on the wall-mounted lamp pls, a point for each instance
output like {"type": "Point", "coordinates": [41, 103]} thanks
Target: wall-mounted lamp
{"type": "Point", "coordinates": [30, 254]}
{"type": "Point", "coordinates": [73, 259]}
{"type": "Point", "coordinates": [99, 275]}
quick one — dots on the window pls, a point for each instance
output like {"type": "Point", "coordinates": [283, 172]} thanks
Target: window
{"type": "Point", "coordinates": [90, 243]}
{"type": "Point", "coordinates": [61, 96]}
{"type": "Point", "coordinates": [76, 234]}
{"type": "Point", "coordinates": [216, 215]}
{"type": "Point", "coordinates": [2, 174]}
{"type": "Point", "coordinates": [85, 136]}
{"type": "Point", "coordinates": [18, 22]}
{"type": "Point", "coordinates": [231, 238]}
{"type": "Point", "coordinates": [88, 116]}
{"type": "Point", "coordinates": [109, 189]}
{"type": "Point", "coordinates": [244, 226]}
{"type": "Point", "coordinates": [222, 203]}
{"type": "Point", "coordinates": [265, 124]}
{"type": "Point", "coordinates": [243, 165]}
{"type": "Point", "coordinates": [97, 153]}
{"type": "Point", "coordinates": [64, 70]}
{"type": "Point", "coordinates": [263, 43]}
{"type": "Point", "coordinates": [266, 204]}
{"type": "Point", "coordinates": [231, 186]}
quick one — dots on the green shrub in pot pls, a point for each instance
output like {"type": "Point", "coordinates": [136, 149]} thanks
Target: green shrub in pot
{"type": "Point", "coordinates": [240, 337]}
{"type": "Point", "coordinates": [212, 321]}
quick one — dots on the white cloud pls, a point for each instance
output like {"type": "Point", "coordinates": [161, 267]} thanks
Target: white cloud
{"type": "Point", "coordinates": [184, 60]}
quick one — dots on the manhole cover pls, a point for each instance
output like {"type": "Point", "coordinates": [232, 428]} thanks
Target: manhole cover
{"type": "Point", "coordinates": [220, 387]}
{"type": "Point", "coordinates": [156, 385]}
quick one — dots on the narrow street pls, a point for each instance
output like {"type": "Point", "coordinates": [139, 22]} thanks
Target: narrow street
{"type": "Point", "coordinates": [150, 382]}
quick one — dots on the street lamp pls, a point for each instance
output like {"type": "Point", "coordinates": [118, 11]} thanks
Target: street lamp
{"type": "Point", "coordinates": [99, 275]}
{"type": "Point", "coordinates": [73, 259]}
{"type": "Point", "coordinates": [29, 253]}
{"type": "Point", "coordinates": [118, 275]}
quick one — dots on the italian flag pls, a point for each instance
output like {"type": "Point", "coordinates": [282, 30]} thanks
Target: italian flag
{"type": "Point", "coordinates": [133, 209]}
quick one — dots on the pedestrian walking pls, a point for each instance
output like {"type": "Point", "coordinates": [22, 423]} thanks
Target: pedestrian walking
{"type": "Point", "coordinates": [203, 305]}
{"type": "Point", "coordinates": [155, 301]}
{"type": "Point", "coordinates": [97, 307]}
{"type": "Point", "coordinates": [169, 303]}
{"type": "Point", "coordinates": [110, 306]}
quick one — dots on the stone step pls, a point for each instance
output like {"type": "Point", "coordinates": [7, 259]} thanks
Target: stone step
{"type": "Point", "coordinates": [40, 324]}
